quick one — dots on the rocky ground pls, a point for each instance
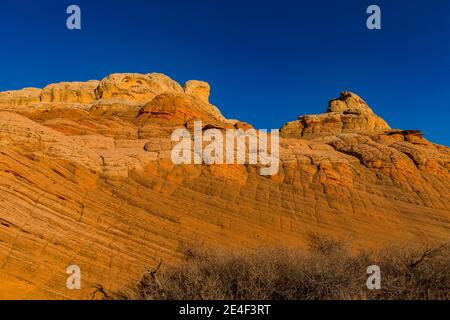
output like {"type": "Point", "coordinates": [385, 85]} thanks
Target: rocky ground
{"type": "Point", "coordinates": [86, 178]}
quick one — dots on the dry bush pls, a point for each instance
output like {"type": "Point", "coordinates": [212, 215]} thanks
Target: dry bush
{"type": "Point", "coordinates": [328, 270]}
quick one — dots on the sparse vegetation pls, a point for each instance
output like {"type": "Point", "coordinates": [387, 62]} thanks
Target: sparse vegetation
{"type": "Point", "coordinates": [328, 270]}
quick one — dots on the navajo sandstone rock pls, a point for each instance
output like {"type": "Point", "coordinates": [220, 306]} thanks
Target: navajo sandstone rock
{"type": "Point", "coordinates": [86, 179]}
{"type": "Point", "coordinates": [348, 113]}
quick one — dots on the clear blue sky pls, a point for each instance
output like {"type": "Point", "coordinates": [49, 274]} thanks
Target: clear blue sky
{"type": "Point", "coordinates": [267, 61]}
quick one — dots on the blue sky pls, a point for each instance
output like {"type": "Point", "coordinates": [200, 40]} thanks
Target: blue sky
{"type": "Point", "coordinates": [267, 61]}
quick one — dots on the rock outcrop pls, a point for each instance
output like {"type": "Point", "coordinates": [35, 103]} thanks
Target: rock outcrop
{"type": "Point", "coordinates": [13, 100]}
{"type": "Point", "coordinates": [86, 178]}
{"type": "Point", "coordinates": [138, 87]}
{"type": "Point", "coordinates": [70, 92]}
{"type": "Point", "coordinates": [348, 113]}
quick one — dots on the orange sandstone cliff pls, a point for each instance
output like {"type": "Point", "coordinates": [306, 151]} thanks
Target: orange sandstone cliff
{"type": "Point", "coordinates": [86, 178]}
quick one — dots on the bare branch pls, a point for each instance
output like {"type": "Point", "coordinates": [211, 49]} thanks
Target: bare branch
{"type": "Point", "coordinates": [99, 288]}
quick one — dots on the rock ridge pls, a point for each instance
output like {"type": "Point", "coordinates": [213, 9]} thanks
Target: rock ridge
{"type": "Point", "coordinates": [86, 179]}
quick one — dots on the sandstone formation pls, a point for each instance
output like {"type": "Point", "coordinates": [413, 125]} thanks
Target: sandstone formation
{"type": "Point", "coordinates": [70, 92]}
{"type": "Point", "coordinates": [138, 87]}
{"type": "Point", "coordinates": [348, 113]}
{"type": "Point", "coordinates": [15, 99]}
{"type": "Point", "coordinates": [86, 178]}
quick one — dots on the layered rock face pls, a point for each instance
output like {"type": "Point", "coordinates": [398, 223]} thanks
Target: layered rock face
{"type": "Point", "coordinates": [348, 113]}
{"type": "Point", "coordinates": [86, 179]}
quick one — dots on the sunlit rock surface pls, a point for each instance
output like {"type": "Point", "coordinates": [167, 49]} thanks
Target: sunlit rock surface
{"type": "Point", "coordinates": [86, 178]}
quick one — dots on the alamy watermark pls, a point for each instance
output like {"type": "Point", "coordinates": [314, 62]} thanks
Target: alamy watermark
{"type": "Point", "coordinates": [374, 20]}
{"type": "Point", "coordinates": [74, 280]}
{"type": "Point", "coordinates": [73, 22]}
{"type": "Point", "coordinates": [374, 280]}
{"type": "Point", "coordinates": [230, 146]}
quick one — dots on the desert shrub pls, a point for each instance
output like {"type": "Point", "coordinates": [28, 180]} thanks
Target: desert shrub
{"type": "Point", "coordinates": [328, 270]}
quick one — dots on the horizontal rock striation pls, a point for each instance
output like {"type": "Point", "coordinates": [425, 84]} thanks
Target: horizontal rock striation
{"type": "Point", "coordinates": [348, 113]}
{"type": "Point", "coordinates": [86, 179]}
